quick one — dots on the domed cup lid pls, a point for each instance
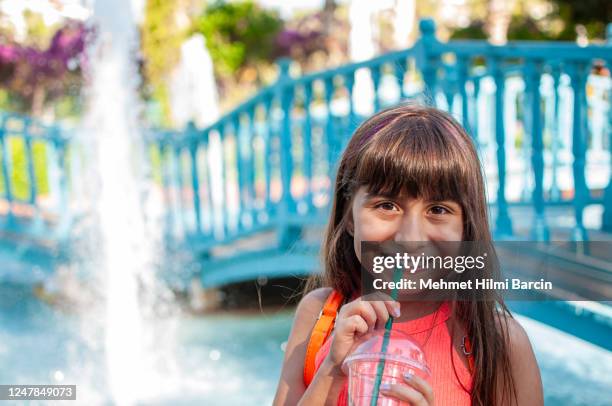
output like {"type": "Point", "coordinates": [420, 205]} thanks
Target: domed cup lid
{"type": "Point", "coordinates": [401, 349]}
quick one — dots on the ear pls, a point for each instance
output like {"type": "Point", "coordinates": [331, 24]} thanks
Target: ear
{"type": "Point", "coordinates": [350, 227]}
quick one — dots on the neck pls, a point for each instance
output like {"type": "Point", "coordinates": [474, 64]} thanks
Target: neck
{"type": "Point", "coordinates": [411, 310]}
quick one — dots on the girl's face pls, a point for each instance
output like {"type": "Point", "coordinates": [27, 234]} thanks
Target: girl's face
{"type": "Point", "coordinates": [403, 219]}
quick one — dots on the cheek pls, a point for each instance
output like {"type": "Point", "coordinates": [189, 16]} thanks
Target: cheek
{"type": "Point", "coordinates": [449, 231]}
{"type": "Point", "coordinates": [369, 227]}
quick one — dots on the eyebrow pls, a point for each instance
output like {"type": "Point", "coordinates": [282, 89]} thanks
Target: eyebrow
{"type": "Point", "coordinates": [370, 195]}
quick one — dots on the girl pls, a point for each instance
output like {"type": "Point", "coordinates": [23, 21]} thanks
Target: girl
{"type": "Point", "coordinates": [409, 173]}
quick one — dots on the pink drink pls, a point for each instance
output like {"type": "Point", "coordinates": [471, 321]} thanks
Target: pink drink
{"type": "Point", "coordinates": [403, 355]}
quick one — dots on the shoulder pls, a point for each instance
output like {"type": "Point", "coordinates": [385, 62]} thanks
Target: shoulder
{"type": "Point", "coordinates": [307, 313]}
{"type": "Point", "coordinates": [311, 304]}
{"type": "Point", "coordinates": [291, 385]}
{"type": "Point", "coordinates": [515, 334]}
{"type": "Point", "coordinates": [523, 363]}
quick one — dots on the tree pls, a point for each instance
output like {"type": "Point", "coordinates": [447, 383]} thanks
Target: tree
{"type": "Point", "coordinates": [37, 77]}
{"type": "Point", "coordinates": [238, 35]}
{"type": "Point", "coordinates": [161, 40]}
{"type": "Point", "coordinates": [593, 14]}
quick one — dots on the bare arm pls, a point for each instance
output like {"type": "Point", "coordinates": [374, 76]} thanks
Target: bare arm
{"type": "Point", "coordinates": [327, 381]}
{"type": "Point", "coordinates": [525, 370]}
{"type": "Point", "coordinates": [353, 320]}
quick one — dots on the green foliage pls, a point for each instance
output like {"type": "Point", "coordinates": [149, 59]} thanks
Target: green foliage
{"type": "Point", "coordinates": [593, 14]}
{"type": "Point", "coordinates": [38, 34]}
{"type": "Point", "coordinates": [526, 28]}
{"type": "Point", "coordinates": [161, 41]}
{"type": "Point", "coordinates": [239, 34]}
{"type": "Point", "coordinates": [18, 168]}
{"type": "Point", "coordinates": [473, 31]}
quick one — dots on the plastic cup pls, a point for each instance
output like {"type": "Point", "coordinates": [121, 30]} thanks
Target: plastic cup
{"type": "Point", "coordinates": [403, 355]}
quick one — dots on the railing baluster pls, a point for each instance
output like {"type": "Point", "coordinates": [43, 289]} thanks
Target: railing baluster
{"type": "Point", "coordinates": [462, 74]}
{"type": "Point", "coordinates": [606, 217]}
{"type": "Point", "coordinates": [430, 59]}
{"type": "Point", "coordinates": [177, 151]}
{"type": "Point", "coordinates": [308, 156]}
{"type": "Point", "coordinates": [210, 209]}
{"type": "Point", "coordinates": [330, 135]}
{"type": "Point", "coordinates": [249, 166]}
{"type": "Point", "coordinates": [32, 192]}
{"type": "Point", "coordinates": [474, 126]}
{"type": "Point", "coordinates": [555, 193]}
{"type": "Point", "coordinates": [349, 82]}
{"type": "Point", "coordinates": [376, 72]}
{"type": "Point", "coordinates": [533, 77]}
{"type": "Point", "coordinates": [287, 234]}
{"type": "Point", "coordinates": [503, 224]}
{"type": "Point", "coordinates": [192, 134]}
{"type": "Point", "coordinates": [8, 193]}
{"type": "Point", "coordinates": [268, 135]}
{"type": "Point", "coordinates": [525, 151]}
{"type": "Point", "coordinates": [399, 69]}
{"type": "Point", "coordinates": [224, 181]}
{"type": "Point", "coordinates": [240, 165]}
{"type": "Point", "coordinates": [577, 72]}
{"type": "Point", "coordinates": [449, 86]}
{"type": "Point", "coordinates": [168, 204]}
{"type": "Point", "coordinates": [606, 221]}
{"type": "Point", "coordinates": [61, 153]}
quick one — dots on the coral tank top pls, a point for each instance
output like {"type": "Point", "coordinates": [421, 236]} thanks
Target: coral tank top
{"type": "Point", "coordinates": [448, 372]}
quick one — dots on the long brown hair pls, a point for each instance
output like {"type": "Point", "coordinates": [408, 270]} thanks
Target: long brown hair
{"type": "Point", "coordinates": [423, 152]}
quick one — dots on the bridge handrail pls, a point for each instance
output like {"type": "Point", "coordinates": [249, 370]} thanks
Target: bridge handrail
{"type": "Point", "coordinates": [271, 114]}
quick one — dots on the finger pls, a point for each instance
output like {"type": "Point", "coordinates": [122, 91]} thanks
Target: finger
{"type": "Point", "coordinates": [382, 314]}
{"type": "Point", "coordinates": [368, 313]}
{"type": "Point", "coordinates": [358, 324]}
{"type": "Point", "coordinates": [377, 295]}
{"type": "Point", "coordinates": [405, 393]}
{"type": "Point", "coordinates": [394, 307]}
{"type": "Point", "coordinates": [362, 308]}
{"type": "Point", "coordinates": [420, 385]}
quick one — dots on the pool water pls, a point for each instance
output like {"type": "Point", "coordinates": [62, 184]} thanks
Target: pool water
{"type": "Point", "coordinates": [229, 359]}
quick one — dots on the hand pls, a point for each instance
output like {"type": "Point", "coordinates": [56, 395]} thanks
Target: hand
{"type": "Point", "coordinates": [355, 319]}
{"type": "Point", "coordinates": [418, 392]}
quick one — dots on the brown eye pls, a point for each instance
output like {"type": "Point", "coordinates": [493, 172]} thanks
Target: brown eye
{"type": "Point", "coordinates": [386, 206]}
{"type": "Point", "coordinates": [439, 210]}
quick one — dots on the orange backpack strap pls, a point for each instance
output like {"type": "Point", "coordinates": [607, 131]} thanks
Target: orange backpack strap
{"type": "Point", "coordinates": [320, 332]}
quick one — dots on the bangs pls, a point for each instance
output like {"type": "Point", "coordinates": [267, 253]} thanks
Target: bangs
{"type": "Point", "coordinates": [420, 158]}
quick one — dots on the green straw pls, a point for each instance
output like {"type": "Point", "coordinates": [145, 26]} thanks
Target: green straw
{"type": "Point", "coordinates": [381, 364]}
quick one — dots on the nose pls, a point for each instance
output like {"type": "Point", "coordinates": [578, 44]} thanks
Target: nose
{"type": "Point", "coordinates": [411, 228]}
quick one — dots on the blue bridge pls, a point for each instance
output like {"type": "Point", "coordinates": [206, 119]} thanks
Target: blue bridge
{"type": "Point", "coordinates": [249, 195]}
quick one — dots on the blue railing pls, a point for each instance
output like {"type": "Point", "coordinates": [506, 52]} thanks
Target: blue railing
{"type": "Point", "coordinates": [539, 113]}
{"type": "Point", "coordinates": [34, 185]}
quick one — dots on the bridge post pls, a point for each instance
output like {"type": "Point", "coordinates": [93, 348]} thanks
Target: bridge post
{"type": "Point", "coordinates": [287, 234]}
{"type": "Point", "coordinates": [429, 58]}
{"type": "Point", "coordinates": [606, 221]}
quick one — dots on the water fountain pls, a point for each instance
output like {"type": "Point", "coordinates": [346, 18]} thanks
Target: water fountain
{"type": "Point", "coordinates": [194, 91]}
{"type": "Point", "coordinates": [115, 166]}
